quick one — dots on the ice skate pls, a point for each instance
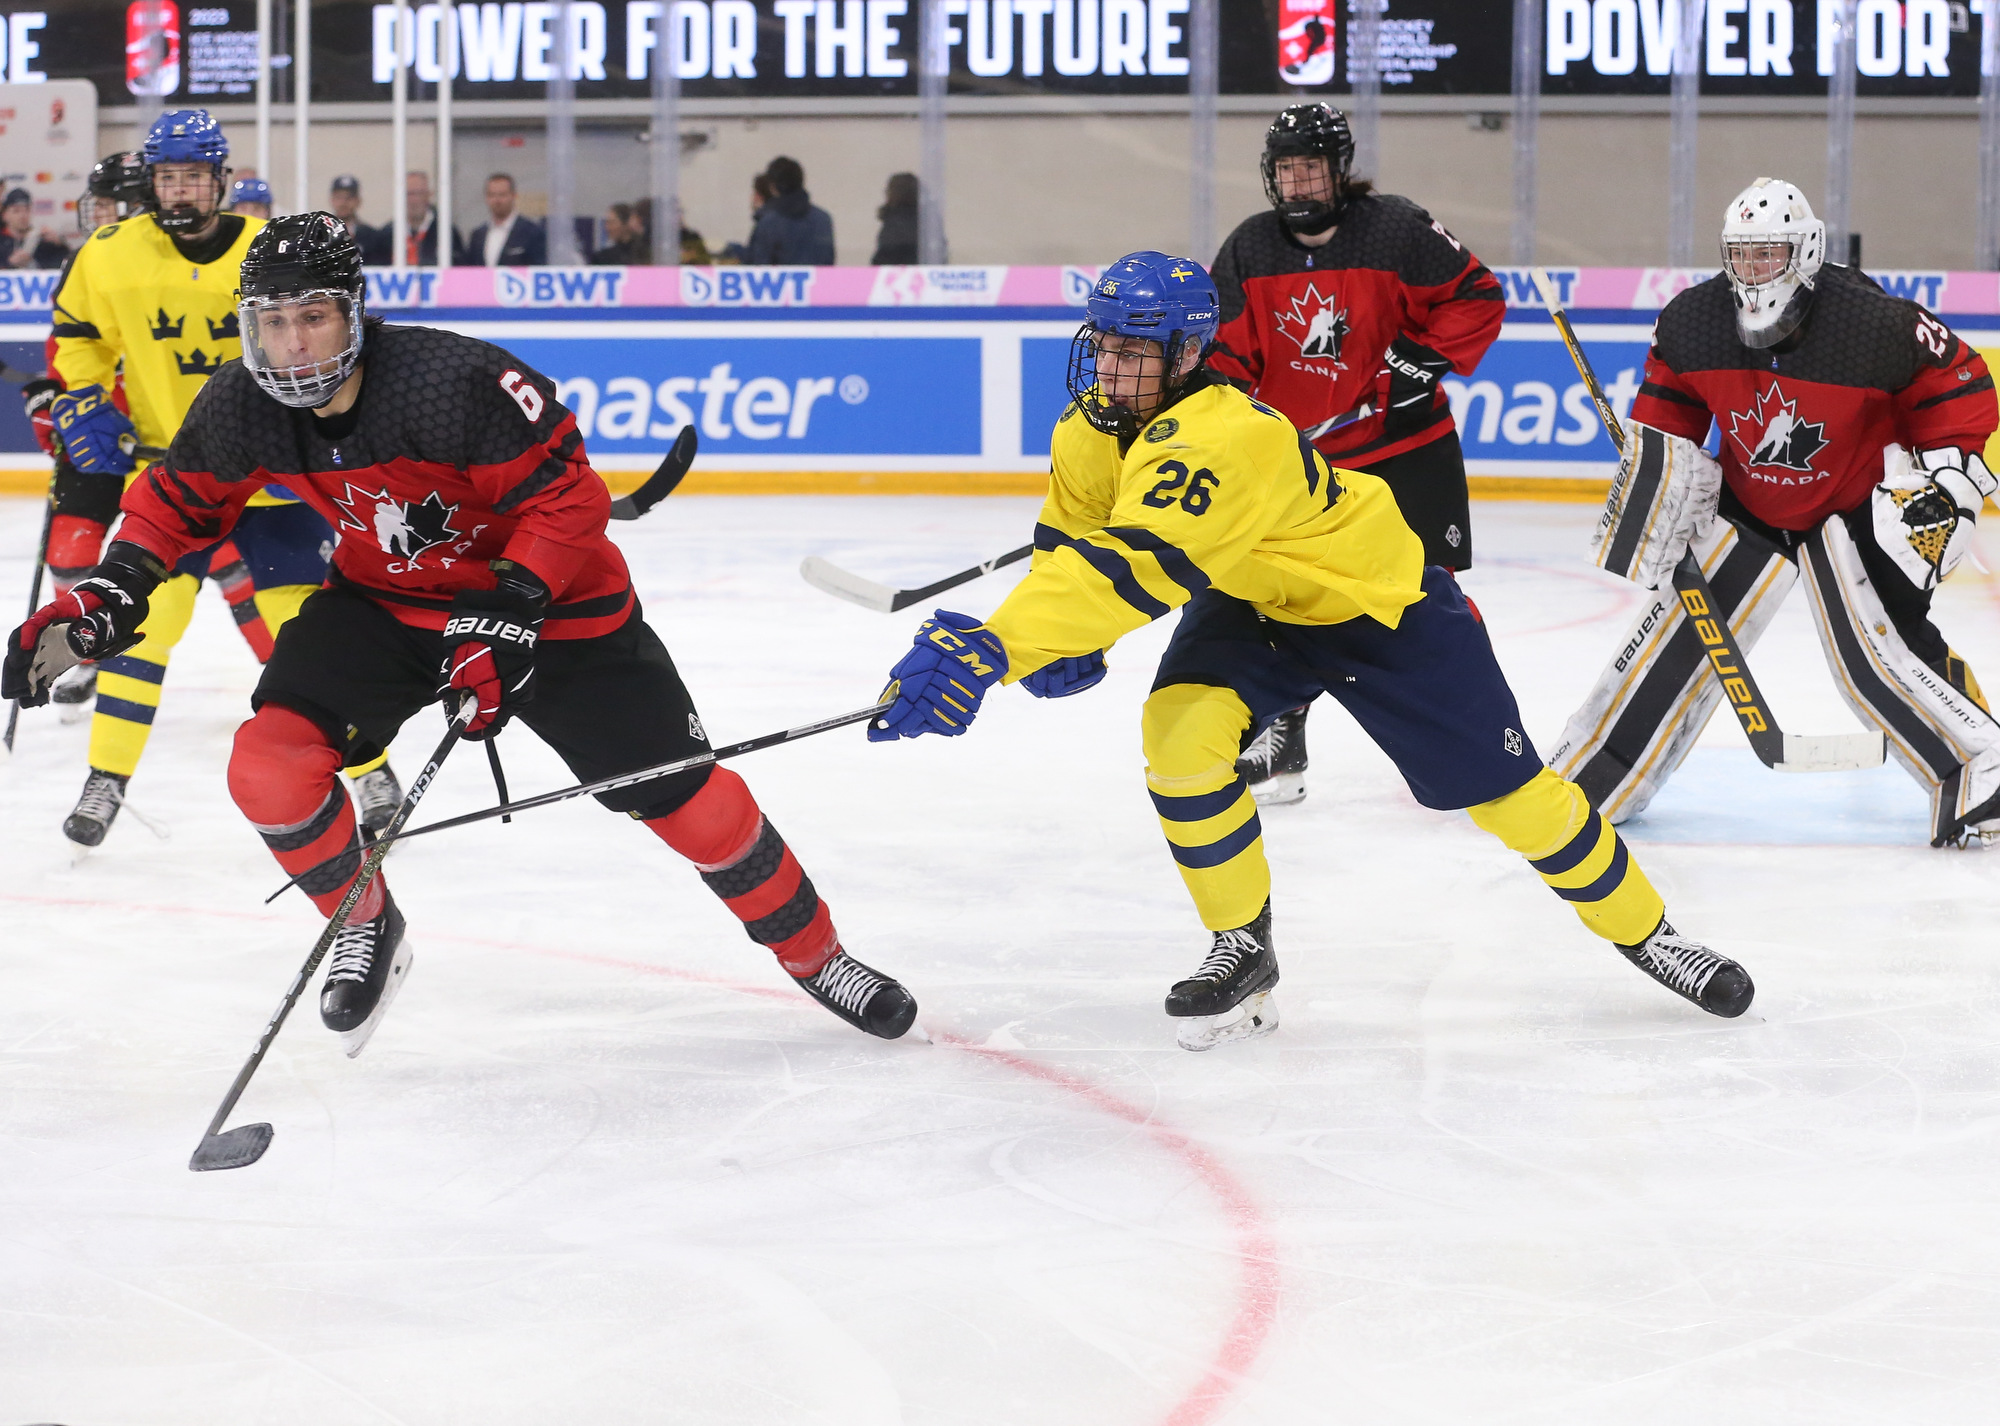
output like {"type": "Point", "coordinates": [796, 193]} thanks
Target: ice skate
{"type": "Point", "coordinates": [1229, 995]}
{"type": "Point", "coordinates": [369, 962]}
{"type": "Point", "coordinates": [1275, 762]}
{"type": "Point", "coordinates": [96, 809]}
{"type": "Point", "coordinates": [1979, 827]}
{"type": "Point", "coordinates": [377, 795]}
{"type": "Point", "coordinates": [1691, 970]}
{"type": "Point", "coordinates": [861, 995]}
{"type": "Point", "coordinates": [74, 692]}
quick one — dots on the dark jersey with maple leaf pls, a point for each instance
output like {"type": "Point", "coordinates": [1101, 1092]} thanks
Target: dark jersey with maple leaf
{"type": "Point", "coordinates": [1352, 340]}
{"type": "Point", "coordinates": [1803, 424]}
{"type": "Point", "coordinates": [456, 453]}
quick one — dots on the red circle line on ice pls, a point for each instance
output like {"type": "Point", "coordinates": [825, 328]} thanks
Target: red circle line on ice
{"type": "Point", "coordinates": [1257, 1285]}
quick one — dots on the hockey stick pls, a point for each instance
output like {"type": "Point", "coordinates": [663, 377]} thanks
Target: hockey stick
{"type": "Point", "coordinates": [660, 484]}
{"type": "Point", "coordinates": [1775, 748]}
{"type": "Point", "coordinates": [34, 603]}
{"type": "Point", "coordinates": [824, 575]}
{"type": "Point", "coordinates": [612, 784]}
{"type": "Point", "coordinates": [246, 1143]}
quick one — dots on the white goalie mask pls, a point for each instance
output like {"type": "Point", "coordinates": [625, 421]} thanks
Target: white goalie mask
{"type": "Point", "coordinates": [1772, 250]}
{"type": "Point", "coordinates": [301, 346]}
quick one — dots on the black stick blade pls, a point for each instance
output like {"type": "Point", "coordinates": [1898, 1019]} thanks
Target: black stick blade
{"type": "Point", "coordinates": [239, 1148]}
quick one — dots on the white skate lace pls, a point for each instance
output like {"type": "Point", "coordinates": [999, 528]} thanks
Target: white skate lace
{"type": "Point", "coordinates": [847, 983]}
{"type": "Point", "coordinates": [1265, 748]}
{"type": "Point", "coordinates": [1230, 950]}
{"type": "Point", "coordinates": [353, 952]}
{"type": "Point", "coordinates": [1681, 965]}
{"type": "Point", "coordinates": [102, 797]}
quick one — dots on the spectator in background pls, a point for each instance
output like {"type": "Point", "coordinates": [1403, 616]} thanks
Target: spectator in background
{"type": "Point", "coordinates": [694, 252]}
{"type": "Point", "coordinates": [421, 249]}
{"type": "Point", "coordinates": [617, 250]}
{"type": "Point", "coordinates": [20, 244]}
{"type": "Point", "coordinates": [250, 197]}
{"type": "Point", "coordinates": [896, 244]}
{"type": "Point", "coordinates": [506, 239]}
{"type": "Point", "coordinates": [790, 231]}
{"type": "Point", "coordinates": [343, 200]}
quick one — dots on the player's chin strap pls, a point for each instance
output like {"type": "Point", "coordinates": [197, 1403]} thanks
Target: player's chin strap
{"type": "Point", "coordinates": [499, 774]}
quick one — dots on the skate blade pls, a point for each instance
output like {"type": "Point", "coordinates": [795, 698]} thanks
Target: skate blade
{"type": "Point", "coordinates": [79, 853]}
{"type": "Point", "coordinates": [71, 714]}
{"type": "Point", "coordinates": [1280, 790]}
{"type": "Point", "coordinates": [356, 1040]}
{"type": "Point", "coordinates": [1256, 1015]}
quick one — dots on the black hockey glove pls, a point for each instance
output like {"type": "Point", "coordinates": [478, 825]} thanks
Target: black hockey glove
{"type": "Point", "coordinates": [492, 635]}
{"type": "Point", "coordinates": [99, 616]}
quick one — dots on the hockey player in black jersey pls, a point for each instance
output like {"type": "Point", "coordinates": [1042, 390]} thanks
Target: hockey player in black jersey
{"type": "Point", "coordinates": [472, 557]}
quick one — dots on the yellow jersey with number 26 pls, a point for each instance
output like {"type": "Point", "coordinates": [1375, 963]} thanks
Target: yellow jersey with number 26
{"type": "Point", "coordinates": [1218, 491]}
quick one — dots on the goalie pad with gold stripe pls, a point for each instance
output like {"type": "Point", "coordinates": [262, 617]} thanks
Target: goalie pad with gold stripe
{"type": "Point", "coordinates": [1663, 498]}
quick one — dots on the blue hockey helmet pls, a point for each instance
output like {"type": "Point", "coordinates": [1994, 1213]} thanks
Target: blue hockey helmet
{"type": "Point", "coordinates": [249, 190]}
{"type": "Point", "coordinates": [1168, 301]}
{"type": "Point", "coordinates": [185, 136]}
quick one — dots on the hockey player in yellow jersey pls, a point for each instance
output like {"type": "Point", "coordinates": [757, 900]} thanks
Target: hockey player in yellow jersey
{"type": "Point", "coordinates": [153, 299]}
{"type": "Point", "coordinates": [1172, 490]}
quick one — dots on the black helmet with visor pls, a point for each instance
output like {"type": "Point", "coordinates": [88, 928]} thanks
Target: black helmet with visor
{"type": "Point", "coordinates": [301, 308]}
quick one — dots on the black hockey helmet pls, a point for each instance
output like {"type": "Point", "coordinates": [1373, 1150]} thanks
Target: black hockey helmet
{"type": "Point", "coordinates": [301, 284]}
{"type": "Point", "coordinates": [1309, 130]}
{"type": "Point", "coordinates": [118, 179]}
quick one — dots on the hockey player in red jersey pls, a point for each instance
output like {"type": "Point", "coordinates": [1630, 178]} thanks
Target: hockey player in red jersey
{"type": "Point", "coordinates": [1344, 309]}
{"type": "Point", "coordinates": [1851, 425]}
{"type": "Point", "coordinates": [472, 557]}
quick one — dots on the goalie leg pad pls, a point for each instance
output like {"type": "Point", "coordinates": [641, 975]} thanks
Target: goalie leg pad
{"type": "Point", "coordinates": [1663, 497]}
{"type": "Point", "coordinates": [1934, 725]}
{"type": "Point", "coordinates": [1652, 700]}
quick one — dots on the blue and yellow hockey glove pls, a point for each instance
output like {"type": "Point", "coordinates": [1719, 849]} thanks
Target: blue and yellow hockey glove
{"type": "Point", "coordinates": [937, 685]}
{"type": "Point", "coordinates": [1066, 676]}
{"type": "Point", "coordinates": [92, 431]}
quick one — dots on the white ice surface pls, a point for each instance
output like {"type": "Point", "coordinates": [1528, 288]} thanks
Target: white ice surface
{"type": "Point", "coordinates": [603, 1165]}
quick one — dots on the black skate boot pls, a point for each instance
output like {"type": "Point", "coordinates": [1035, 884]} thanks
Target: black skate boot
{"type": "Point", "coordinates": [1275, 762]}
{"type": "Point", "coordinates": [73, 692]}
{"type": "Point", "coordinates": [377, 795]}
{"type": "Point", "coordinates": [1691, 970]}
{"type": "Point", "coordinates": [370, 960]}
{"type": "Point", "coordinates": [96, 809]}
{"type": "Point", "coordinates": [860, 995]}
{"type": "Point", "coordinates": [1229, 995]}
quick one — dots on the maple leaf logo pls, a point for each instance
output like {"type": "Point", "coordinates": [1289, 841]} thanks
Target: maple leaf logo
{"type": "Point", "coordinates": [1770, 433]}
{"type": "Point", "coordinates": [399, 528]}
{"type": "Point", "coordinates": [1315, 324]}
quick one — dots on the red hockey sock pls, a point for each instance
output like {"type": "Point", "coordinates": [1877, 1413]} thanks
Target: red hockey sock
{"type": "Point", "coordinates": [746, 863]}
{"type": "Point", "coordinates": [75, 544]}
{"type": "Point", "coordinates": [282, 774]}
{"type": "Point", "coordinates": [227, 568]}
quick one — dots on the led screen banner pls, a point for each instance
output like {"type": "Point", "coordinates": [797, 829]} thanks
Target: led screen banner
{"type": "Point", "coordinates": [504, 49]}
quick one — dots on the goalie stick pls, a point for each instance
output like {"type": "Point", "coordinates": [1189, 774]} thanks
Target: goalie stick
{"type": "Point", "coordinates": [611, 784]}
{"type": "Point", "coordinates": [1776, 749]}
{"type": "Point", "coordinates": [245, 1144]}
{"type": "Point", "coordinates": [825, 575]}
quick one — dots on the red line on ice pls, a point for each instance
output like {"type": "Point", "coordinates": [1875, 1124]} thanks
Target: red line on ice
{"type": "Point", "coordinates": [1256, 1248]}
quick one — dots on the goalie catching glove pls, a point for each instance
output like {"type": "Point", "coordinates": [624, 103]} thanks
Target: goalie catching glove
{"type": "Point", "coordinates": [1925, 507]}
{"type": "Point", "coordinates": [492, 635]}
{"type": "Point", "coordinates": [96, 617]}
{"type": "Point", "coordinates": [1663, 499]}
{"type": "Point", "coordinates": [938, 684]}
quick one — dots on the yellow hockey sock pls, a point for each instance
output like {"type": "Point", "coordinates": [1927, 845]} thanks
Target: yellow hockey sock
{"type": "Point", "coordinates": [1579, 855]}
{"type": "Point", "coordinates": [128, 684]}
{"type": "Point", "coordinates": [1193, 733]}
{"type": "Point", "coordinates": [280, 602]}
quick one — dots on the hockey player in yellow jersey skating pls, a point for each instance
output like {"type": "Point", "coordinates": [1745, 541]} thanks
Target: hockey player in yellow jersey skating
{"type": "Point", "coordinates": [1170, 488]}
{"type": "Point", "coordinates": [154, 298]}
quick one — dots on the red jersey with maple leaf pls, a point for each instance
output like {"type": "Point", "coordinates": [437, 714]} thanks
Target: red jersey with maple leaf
{"type": "Point", "coordinates": [1352, 340]}
{"type": "Point", "coordinates": [456, 453]}
{"type": "Point", "coordinates": [1803, 425]}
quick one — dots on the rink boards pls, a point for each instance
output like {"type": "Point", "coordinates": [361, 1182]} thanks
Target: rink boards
{"type": "Point", "coordinates": [931, 391]}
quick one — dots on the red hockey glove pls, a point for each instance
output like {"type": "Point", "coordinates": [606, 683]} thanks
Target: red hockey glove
{"type": "Point", "coordinates": [96, 617]}
{"type": "Point", "coordinates": [491, 635]}
{"type": "Point", "coordinates": [37, 397]}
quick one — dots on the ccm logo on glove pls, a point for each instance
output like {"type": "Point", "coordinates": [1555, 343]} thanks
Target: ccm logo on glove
{"type": "Point", "coordinates": [488, 629]}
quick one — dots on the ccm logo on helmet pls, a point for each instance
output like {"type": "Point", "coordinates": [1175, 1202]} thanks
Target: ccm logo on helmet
{"type": "Point", "coordinates": [525, 396]}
